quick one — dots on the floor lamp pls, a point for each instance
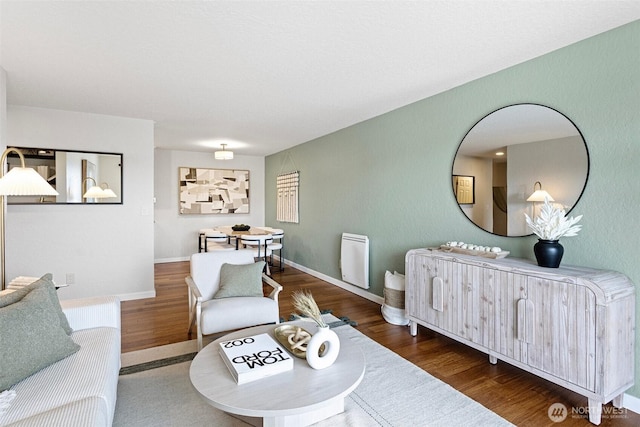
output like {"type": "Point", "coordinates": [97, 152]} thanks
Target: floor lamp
{"type": "Point", "coordinates": [97, 191]}
{"type": "Point", "coordinates": [19, 181]}
{"type": "Point", "coordinates": [538, 196]}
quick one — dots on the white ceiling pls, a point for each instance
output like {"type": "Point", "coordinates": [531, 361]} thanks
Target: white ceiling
{"type": "Point", "coordinates": [268, 75]}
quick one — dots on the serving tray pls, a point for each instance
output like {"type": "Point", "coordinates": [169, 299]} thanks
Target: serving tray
{"type": "Point", "coordinates": [493, 255]}
{"type": "Point", "coordinates": [281, 335]}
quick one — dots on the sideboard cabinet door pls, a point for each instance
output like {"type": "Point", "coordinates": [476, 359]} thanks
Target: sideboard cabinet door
{"type": "Point", "coordinates": [426, 293]}
{"type": "Point", "coordinates": [564, 333]}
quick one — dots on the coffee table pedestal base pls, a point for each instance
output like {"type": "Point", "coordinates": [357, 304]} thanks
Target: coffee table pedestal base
{"type": "Point", "coordinates": [331, 408]}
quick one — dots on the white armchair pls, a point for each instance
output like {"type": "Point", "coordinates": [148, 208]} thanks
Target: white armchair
{"type": "Point", "coordinates": [211, 315]}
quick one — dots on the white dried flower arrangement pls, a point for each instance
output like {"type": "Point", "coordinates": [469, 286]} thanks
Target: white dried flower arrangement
{"type": "Point", "coordinates": [304, 303]}
{"type": "Point", "coordinates": [552, 223]}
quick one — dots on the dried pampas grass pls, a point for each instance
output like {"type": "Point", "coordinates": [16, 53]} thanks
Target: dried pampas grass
{"type": "Point", "coordinates": [307, 307]}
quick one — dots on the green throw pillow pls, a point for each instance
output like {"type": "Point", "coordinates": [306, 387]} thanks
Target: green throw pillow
{"type": "Point", "coordinates": [46, 282]}
{"type": "Point", "coordinates": [240, 280]}
{"type": "Point", "coordinates": [31, 337]}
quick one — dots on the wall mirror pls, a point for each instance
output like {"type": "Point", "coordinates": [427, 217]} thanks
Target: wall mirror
{"type": "Point", "coordinates": [509, 152]}
{"type": "Point", "coordinates": [72, 174]}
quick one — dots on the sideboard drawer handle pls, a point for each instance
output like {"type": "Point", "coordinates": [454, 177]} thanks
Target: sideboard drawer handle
{"type": "Point", "coordinates": [438, 294]}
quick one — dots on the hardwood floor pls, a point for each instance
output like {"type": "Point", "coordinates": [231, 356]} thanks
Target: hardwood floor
{"type": "Point", "coordinates": [518, 396]}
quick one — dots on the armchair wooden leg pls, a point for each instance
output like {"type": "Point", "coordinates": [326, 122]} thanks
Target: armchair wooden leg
{"type": "Point", "coordinates": [198, 325]}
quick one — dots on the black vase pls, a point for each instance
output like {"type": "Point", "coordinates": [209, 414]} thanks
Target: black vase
{"type": "Point", "coordinates": [548, 253]}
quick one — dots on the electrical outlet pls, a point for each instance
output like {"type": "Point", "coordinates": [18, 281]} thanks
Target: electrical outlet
{"type": "Point", "coordinates": [71, 279]}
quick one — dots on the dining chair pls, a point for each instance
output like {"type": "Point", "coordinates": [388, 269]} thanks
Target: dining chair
{"type": "Point", "coordinates": [259, 244]}
{"type": "Point", "coordinates": [216, 240]}
{"type": "Point", "coordinates": [276, 244]}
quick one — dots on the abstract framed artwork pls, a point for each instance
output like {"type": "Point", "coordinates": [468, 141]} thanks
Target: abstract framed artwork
{"type": "Point", "coordinates": [213, 191]}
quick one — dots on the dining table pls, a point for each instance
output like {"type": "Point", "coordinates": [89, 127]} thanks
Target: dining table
{"type": "Point", "coordinates": [233, 234]}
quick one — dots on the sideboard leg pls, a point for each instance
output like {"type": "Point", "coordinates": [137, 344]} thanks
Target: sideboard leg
{"type": "Point", "coordinates": [413, 328]}
{"type": "Point", "coordinates": [493, 359]}
{"type": "Point", "coordinates": [595, 411]}
{"type": "Point", "coordinates": [618, 401]}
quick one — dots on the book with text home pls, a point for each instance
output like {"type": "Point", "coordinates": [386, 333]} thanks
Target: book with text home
{"type": "Point", "coordinates": [254, 357]}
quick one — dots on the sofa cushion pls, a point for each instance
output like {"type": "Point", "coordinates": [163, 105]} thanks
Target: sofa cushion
{"type": "Point", "coordinates": [89, 376]}
{"type": "Point", "coordinates": [32, 337]}
{"type": "Point", "coordinates": [240, 280]}
{"type": "Point", "coordinates": [46, 282]}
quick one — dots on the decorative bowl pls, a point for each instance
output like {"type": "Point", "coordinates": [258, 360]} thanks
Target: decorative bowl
{"type": "Point", "coordinates": [241, 227]}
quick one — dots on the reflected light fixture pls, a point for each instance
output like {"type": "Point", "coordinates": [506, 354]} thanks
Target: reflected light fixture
{"type": "Point", "coordinates": [19, 181]}
{"type": "Point", "coordinates": [539, 195]}
{"type": "Point", "coordinates": [223, 154]}
{"type": "Point", "coordinates": [96, 191]}
{"type": "Point", "coordinates": [109, 192]}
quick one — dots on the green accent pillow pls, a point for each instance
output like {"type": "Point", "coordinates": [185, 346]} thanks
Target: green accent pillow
{"type": "Point", "coordinates": [31, 337]}
{"type": "Point", "coordinates": [46, 282]}
{"type": "Point", "coordinates": [240, 280]}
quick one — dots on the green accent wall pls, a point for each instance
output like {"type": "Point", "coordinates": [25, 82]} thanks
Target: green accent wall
{"type": "Point", "coordinates": [390, 177]}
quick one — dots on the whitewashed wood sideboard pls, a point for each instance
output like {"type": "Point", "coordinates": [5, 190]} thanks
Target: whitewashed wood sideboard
{"type": "Point", "coordinates": [573, 326]}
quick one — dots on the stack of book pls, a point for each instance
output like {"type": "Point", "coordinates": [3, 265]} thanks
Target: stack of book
{"type": "Point", "coordinates": [254, 357]}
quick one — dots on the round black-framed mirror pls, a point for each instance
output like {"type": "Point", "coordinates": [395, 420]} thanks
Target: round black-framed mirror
{"type": "Point", "coordinates": [541, 149]}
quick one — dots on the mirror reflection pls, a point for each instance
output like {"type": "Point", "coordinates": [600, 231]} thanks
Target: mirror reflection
{"type": "Point", "coordinates": [513, 152]}
{"type": "Point", "coordinates": [73, 174]}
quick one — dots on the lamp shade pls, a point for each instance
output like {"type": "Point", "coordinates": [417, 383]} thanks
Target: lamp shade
{"type": "Point", "coordinates": [94, 192]}
{"type": "Point", "coordinates": [539, 196]}
{"type": "Point", "coordinates": [21, 181]}
{"type": "Point", "coordinates": [223, 154]}
{"type": "Point", "coordinates": [108, 193]}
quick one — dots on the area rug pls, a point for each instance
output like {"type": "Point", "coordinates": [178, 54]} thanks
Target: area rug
{"type": "Point", "coordinates": [393, 392]}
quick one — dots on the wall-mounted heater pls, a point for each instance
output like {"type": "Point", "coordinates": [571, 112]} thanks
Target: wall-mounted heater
{"type": "Point", "coordinates": [354, 259]}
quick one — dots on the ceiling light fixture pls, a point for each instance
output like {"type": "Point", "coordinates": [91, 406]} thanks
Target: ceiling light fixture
{"type": "Point", "coordinates": [224, 154]}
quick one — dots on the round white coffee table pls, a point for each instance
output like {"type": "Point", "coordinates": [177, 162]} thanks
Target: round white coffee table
{"type": "Point", "coordinates": [299, 397]}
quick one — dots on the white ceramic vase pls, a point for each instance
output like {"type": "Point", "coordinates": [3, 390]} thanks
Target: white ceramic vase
{"type": "Point", "coordinates": [318, 359]}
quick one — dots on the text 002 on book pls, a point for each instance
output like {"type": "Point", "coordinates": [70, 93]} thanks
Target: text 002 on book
{"type": "Point", "coordinates": [254, 357]}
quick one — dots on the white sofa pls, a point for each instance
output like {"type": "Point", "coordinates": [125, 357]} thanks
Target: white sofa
{"type": "Point", "coordinates": [79, 390]}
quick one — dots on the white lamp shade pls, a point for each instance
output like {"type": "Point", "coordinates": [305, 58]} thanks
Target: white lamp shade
{"type": "Point", "coordinates": [21, 181]}
{"type": "Point", "coordinates": [94, 192]}
{"type": "Point", "coordinates": [539, 196]}
{"type": "Point", "coordinates": [108, 193]}
{"type": "Point", "coordinates": [223, 155]}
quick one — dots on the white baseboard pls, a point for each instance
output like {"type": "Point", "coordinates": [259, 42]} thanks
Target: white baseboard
{"type": "Point", "coordinates": [137, 295]}
{"type": "Point", "coordinates": [165, 260]}
{"type": "Point", "coordinates": [631, 403]}
{"type": "Point", "coordinates": [339, 283]}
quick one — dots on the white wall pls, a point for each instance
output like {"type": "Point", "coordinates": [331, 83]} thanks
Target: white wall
{"type": "Point", "coordinates": [108, 248]}
{"type": "Point", "coordinates": [3, 109]}
{"type": "Point", "coordinates": [176, 236]}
